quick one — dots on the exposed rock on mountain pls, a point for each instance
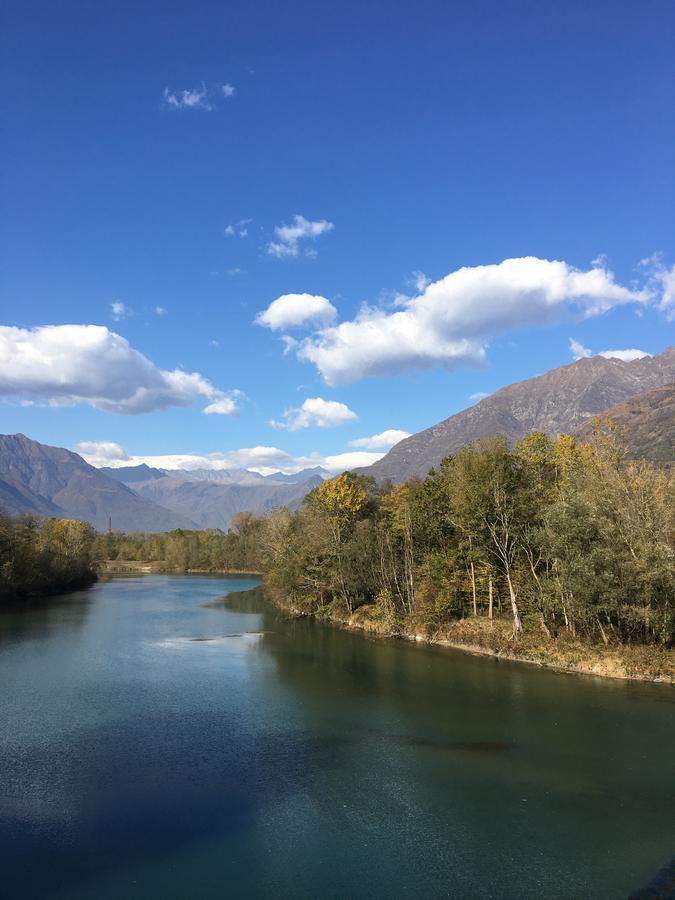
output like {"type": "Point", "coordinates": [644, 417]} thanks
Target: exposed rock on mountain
{"type": "Point", "coordinates": [558, 401]}
{"type": "Point", "coordinates": [52, 481]}
{"type": "Point", "coordinates": [649, 420]}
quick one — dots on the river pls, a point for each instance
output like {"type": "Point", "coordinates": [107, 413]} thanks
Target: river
{"type": "Point", "coordinates": [161, 739]}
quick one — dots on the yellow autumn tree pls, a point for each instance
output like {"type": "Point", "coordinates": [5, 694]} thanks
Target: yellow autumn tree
{"type": "Point", "coordinates": [340, 501]}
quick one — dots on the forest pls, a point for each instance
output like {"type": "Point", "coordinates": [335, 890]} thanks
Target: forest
{"type": "Point", "coordinates": [558, 537]}
{"type": "Point", "coordinates": [206, 550]}
{"type": "Point", "coordinates": [44, 556]}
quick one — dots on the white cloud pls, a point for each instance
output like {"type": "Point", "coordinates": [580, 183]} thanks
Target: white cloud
{"type": "Point", "coordinates": [419, 280]}
{"type": "Point", "coordinates": [666, 281]}
{"type": "Point", "coordinates": [202, 97]}
{"type": "Point", "coordinates": [451, 322]}
{"type": "Point", "coordinates": [316, 411]}
{"type": "Point", "coordinates": [223, 406]}
{"type": "Point", "coordinates": [103, 453]}
{"type": "Point", "coordinates": [289, 237]}
{"type": "Point", "coordinates": [160, 311]}
{"type": "Point", "coordinates": [197, 98]}
{"type": "Point", "coordinates": [292, 310]}
{"type": "Point", "coordinates": [239, 229]}
{"type": "Point", "coordinates": [343, 461]}
{"type": "Point", "coordinates": [119, 310]}
{"type": "Point", "coordinates": [624, 355]}
{"type": "Point", "coordinates": [578, 350]}
{"type": "Point", "coordinates": [68, 364]}
{"type": "Point", "coordinates": [383, 440]}
{"type": "Point", "coordinates": [479, 395]}
{"type": "Point", "coordinates": [265, 460]}
{"type": "Point", "coordinates": [581, 352]}
{"type": "Point", "coordinates": [662, 282]}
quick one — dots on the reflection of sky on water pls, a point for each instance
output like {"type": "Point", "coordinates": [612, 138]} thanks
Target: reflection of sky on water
{"type": "Point", "coordinates": [157, 737]}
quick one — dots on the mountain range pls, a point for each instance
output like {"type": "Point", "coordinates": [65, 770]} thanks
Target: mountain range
{"type": "Point", "coordinates": [53, 481]}
{"type": "Point", "coordinates": [559, 401]}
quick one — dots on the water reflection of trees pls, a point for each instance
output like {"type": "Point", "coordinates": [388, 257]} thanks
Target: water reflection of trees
{"type": "Point", "coordinates": [39, 617]}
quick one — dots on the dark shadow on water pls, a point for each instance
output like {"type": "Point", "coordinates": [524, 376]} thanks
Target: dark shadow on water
{"type": "Point", "coordinates": [150, 791]}
{"type": "Point", "coordinates": [36, 617]}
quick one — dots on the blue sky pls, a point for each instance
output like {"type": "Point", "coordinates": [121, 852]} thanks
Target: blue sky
{"type": "Point", "coordinates": [414, 139]}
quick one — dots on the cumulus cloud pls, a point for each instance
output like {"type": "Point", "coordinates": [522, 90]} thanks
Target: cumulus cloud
{"type": "Point", "coordinates": [451, 321]}
{"type": "Point", "coordinates": [418, 280]}
{"type": "Point", "coordinates": [69, 364]}
{"type": "Point", "coordinates": [223, 406]}
{"type": "Point", "coordinates": [265, 460]}
{"type": "Point", "coordinates": [195, 98]}
{"type": "Point", "coordinates": [201, 97]}
{"type": "Point", "coordinates": [624, 355]}
{"type": "Point", "coordinates": [292, 310]}
{"type": "Point", "coordinates": [290, 239]}
{"type": "Point", "coordinates": [341, 462]}
{"type": "Point", "coordinates": [581, 352]}
{"type": "Point", "coordinates": [119, 310]}
{"type": "Point", "coordinates": [578, 350]}
{"type": "Point", "coordinates": [238, 229]}
{"type": "Point", "coordinates": [381, 441]}
{"type": "Point", "coordinates": [663, 281]}
{"type": "Point", "coordinates": [667, 301]}
{"type": "Point", "coordinates": [316, 411]}
{"type": "Point", "coordinates": [103, 453]}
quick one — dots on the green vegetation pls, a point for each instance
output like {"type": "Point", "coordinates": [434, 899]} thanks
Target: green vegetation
{"type": "Point", "coordinates": [209, 550]}
{"type": "Point", "coordinates": [43, 556]}
{"type": "Point", "coordinates": [571, 542]}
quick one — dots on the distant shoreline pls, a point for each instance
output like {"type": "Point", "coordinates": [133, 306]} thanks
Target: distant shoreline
{"type": "Point", "coordinates": [139, 567]}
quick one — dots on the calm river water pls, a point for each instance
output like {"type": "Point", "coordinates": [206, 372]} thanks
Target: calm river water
{"type": "Point", "coordinates": [160, 739]}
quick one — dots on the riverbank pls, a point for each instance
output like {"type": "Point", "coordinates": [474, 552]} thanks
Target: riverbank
{"type": "Point", "coordinates": [485, 637]}
{"type": "Point", "coordinates": [160, 567]}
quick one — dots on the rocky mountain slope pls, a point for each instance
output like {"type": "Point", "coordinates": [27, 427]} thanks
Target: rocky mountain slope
{"type": "Point", "coordinates": [558, 401]}
{"type": "Point", "coordinates": [52, 481]}
{"type": "Point", "coordinates": [649, 421]}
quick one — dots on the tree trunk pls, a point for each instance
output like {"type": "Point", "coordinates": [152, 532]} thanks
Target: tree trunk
{"type": "Point", "coordinates": [490, 596]}
{"type": "Point", "coordinates": [517, 624]}
{"type": "Point", "coordinates": [473, 589]}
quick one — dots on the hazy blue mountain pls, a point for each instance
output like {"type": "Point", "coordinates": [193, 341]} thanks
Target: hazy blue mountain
{"type": "Point", "coordinates": [213, 505]}
{"type": "Point", "coordinates": [219, 476]}
{"type": "Point", "coordinates": [298, 477]}
{"type": "Point", "coordinates": [130, 474]}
